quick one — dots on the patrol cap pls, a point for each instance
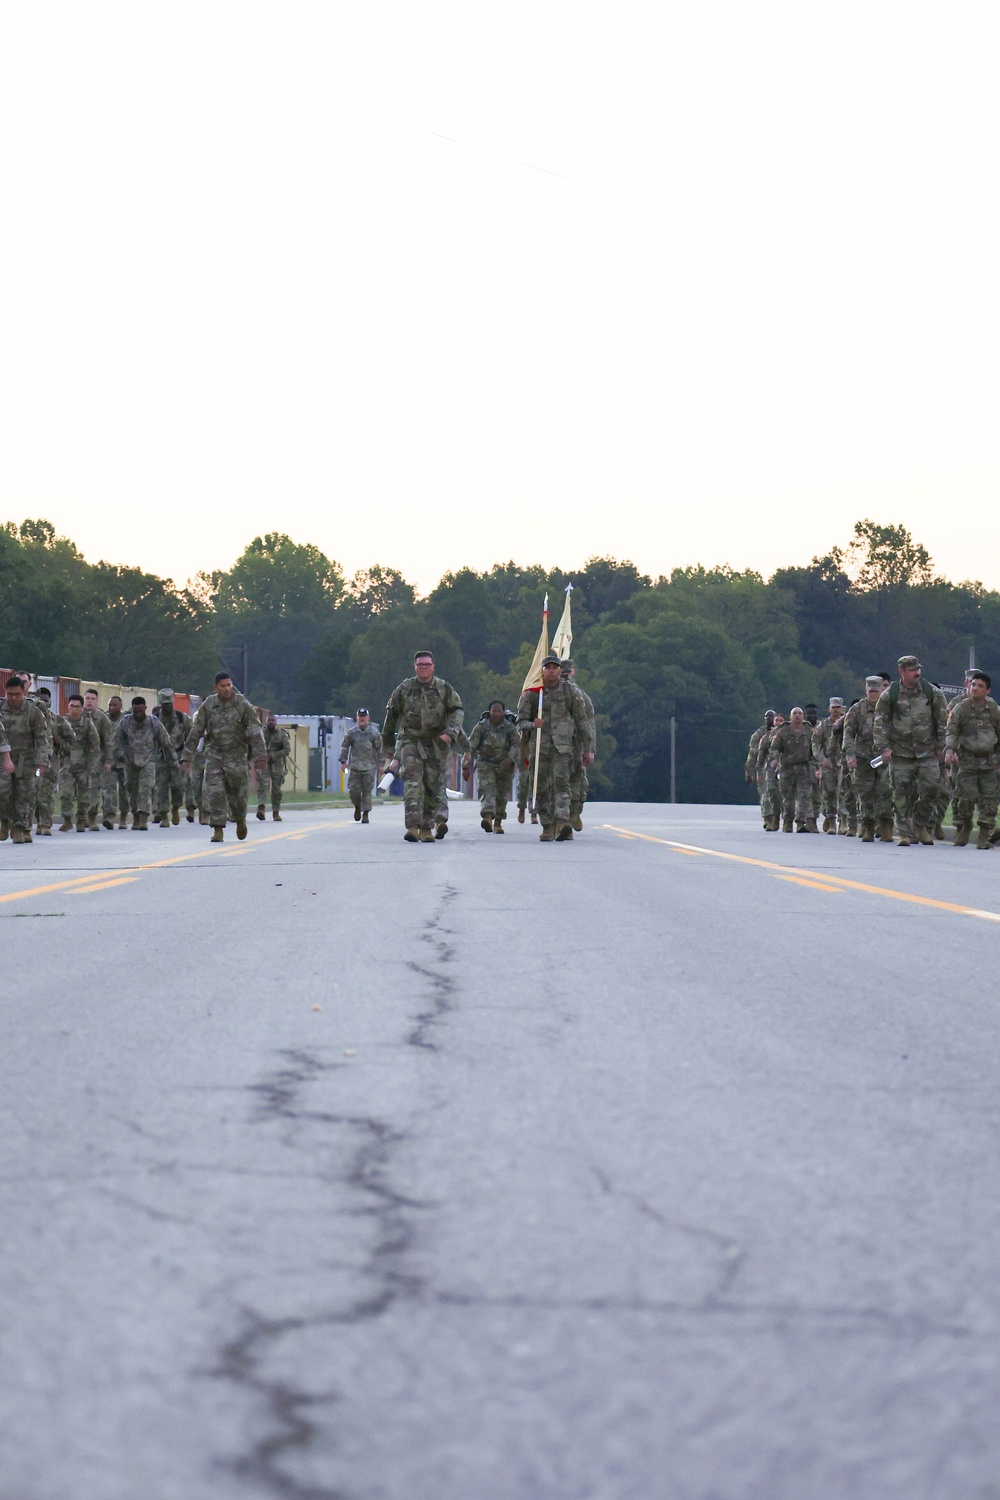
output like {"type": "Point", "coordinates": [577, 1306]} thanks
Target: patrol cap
{"type": "Point", "coordinates": [362, 711]}
{"type": "Point", "coordinates": [567, 661]}
{"type": "Point", "coordinates": [871, 682]}
{"type": "Point", "coordinates": [551, 661]}
{"type": "Point", "coordinates": [166, 695]}
{"type": "Point", "coordinates": [836, 702]}
{"type": "Point", "coordinates": [908, 661]}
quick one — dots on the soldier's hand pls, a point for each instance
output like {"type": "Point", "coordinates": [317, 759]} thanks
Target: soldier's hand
{"type": "Point", "coordinates": [536, 723]}
{"type": "Point", "coordinates": [951, 756]}
{"type": "Point", "coordinates": [852, 764]}
{"type": "Point", "coordinates": [445, 739]}
{"type": "Point", "coordinates": [886, 754]}
{"type": "Point", "coordinates": [107, 765]}
{"type": "Point", "coordinates": [588, 758]}
{"type": "Point", "coordinates": [393, 765]}
{"type": "Point", "coordinates": [260, 764]}
{"type": "Point", "coordinates": [185, 766]}
{"type": "Point", "coordinates": [8, 765]}
{"type": "Point", "coordinates": [826, 763]}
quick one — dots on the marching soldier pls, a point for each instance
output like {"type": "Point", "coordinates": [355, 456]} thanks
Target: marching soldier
{"type": "Point", "coordinates": [232, 732]}
{"type": "Point", "coordinates": [422, 719]}
{"type": "Point", "coordinates": [362, 744]}
{"type": "Point", "coordinates": [494, 745]}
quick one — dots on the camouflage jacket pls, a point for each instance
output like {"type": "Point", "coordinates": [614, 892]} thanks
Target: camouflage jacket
{"type": "Point", "coordinates": [143, 742]}
{"type": "Point", "coordinates": [494, 743]}
{"type": "Point", "coordinates": [565, 724]}
{"type": "Point", "coordinates": [752, 764]}
{"type": "Point", "coordinates": [364, 746]}
{"type": "Point", "coordinates": [278, 744]}
{"type": "Point", "coordinates": [83, 746]}
{"type": "Point", "coordinates": [792, 747]}
{"type": "Point", "coordinates": [27, 732]}
{"type": "Point", "coordinates": [231, 730]}
{"type": "Point", "coordinates": [117, 759]}
{"type": "Point", "coordinates": [828, 740]}
{"type": "Point", "coordinates": [974, 730]}
{"type": "Point", "coordinates": [912, 725]}
{"type": "Point", "coordinates": [177, 725]}
{"type": "Point", "coordinates": [859, 729]}
{"type": "Point", "coordinates": [105, 730]}
{"type": "Point", "coordinates": [423, 712]}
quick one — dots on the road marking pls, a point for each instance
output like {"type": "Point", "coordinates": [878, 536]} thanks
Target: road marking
{"type": "Point", "coordinates": [105, 885]}
{"type": "Point", "coordinates": [838, 881]}
{"type": "Point", "coordinates": [814, 885]}
{"type": "Point", "coordinates": [694, 853]}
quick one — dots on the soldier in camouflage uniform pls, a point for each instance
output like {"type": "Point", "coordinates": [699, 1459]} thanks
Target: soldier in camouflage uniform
{"type": "Point", "coordinates": [142, 742]}
{"type": "Point", "coordinates": [494, 746]}
{"type": "Point", "coordinates": [363, 745]}
{"type": "Point", "coordinates": [771, 805]}
{"type": "Point", "coordinates": [194, 782]}
{"type": "Point", "coordinates": [279, 747]}
{"type": "Point", "coordinates": [872, 784]}
{"type": "Point", "coordinates": [565, 736]}
{"type": "Point", "coordinates": [828, 743]}
{"type": "Point", "coordinates": [579, 784]}
{"type": "Point", "coordinates": [26, 731]}
{"type": "Point", "coordinates": [114, 786]}
{"type": "Point", "coordinates": [169, 776]}
{"type": "Point", "coordinates": [752, 772]}
{"type": "Point", "coordinates": [525, 776]}
{"type": "Point", "coordinates": [80, 762]}
{"type": "Point", "coordinates": [47, 784]}
{"type": "Point", "coordinates": [422, 719]}
{"type": "Point", "coordinates": [791, 751]}
{"type": "Point", "coordinates": [232, 733]}
{"type": "Point", "coordinates": [99, 792]}
{"type": "Point", "coordinates": [972, 746]}
{"type": "Point", "coordinates": [910, 721]}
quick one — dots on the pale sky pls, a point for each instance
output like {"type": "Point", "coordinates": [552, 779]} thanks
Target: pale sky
{"type": "Point", "coordinates": [689, 282]}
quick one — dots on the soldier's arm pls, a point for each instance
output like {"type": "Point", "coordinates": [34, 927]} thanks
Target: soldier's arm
{"type": "Point", "coordinates": [582, 721]}
{"type": "Point", "coordinates": [43, 739]}
{"type": "Point", "coordinates": [345, 745]}
{"type": "Point", "coordinates": [199, 725]}
{"type": "Point", "coordinates": [391, 718]}
{"type": "Point", "coordinates": [377, 747]}
{"type": "Point", "coordinates": [163, 740]}
{"type": "Point", "coordinates": [256, 747]}
{"type": "Point", "coordinates": [527, 708]}
{"type": "Point", "coordinates": [939, 717]}
{"type": "Point", "coordinates": [956, 722]}
{"type": "Point", "coordinates": [883, 709]}
{"type": "Point", "coordinates": [456, 713]}
{"type": "Point", "coordinates": [94, 749]}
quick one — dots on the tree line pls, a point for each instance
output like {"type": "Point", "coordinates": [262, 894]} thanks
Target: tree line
{"type": "Point", "coordinates": [711, 647]}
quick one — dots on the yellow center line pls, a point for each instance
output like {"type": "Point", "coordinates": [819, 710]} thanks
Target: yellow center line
{"type": "Point", "coordinates": [814, 885]}
{"type": "Point", "coordinates": [133, 871]}
{"type": "Point", "coordinates": [105, 885]}
{"type": "Point", "coordinates": [838, 881]}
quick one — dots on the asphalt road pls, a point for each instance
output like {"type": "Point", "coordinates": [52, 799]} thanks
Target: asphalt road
{"type": "Point", "coordinates": [662, 1165]}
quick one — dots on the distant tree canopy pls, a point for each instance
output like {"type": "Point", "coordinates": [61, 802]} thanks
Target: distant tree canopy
{"type": "Point", "coordinates": [709, 647]}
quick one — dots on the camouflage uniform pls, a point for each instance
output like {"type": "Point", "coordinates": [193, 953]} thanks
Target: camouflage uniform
{"type": "Point", "coordinates": [100, 789]}
{"type": "Point", "coordinates": [872, 784]}
{"type": "Point", "coordinates": [114, 786]}
{"type": "Point", "coordinates": [973, 732]}
{"type": "Point", "coordinates": [579, 782]}
{"type": "Point", "coordinates": [141, 743]}
{"type": "Point", "coordinates": [26, 730]}
{"type": "Point", "coordinates": [771, 799]}
{"type": "Point", "coordinates": [195, 786]}
{"type": "Point", "coordinates": [80, 763]}
{"type": "Point", "coordinates": [423, 712]}
{"type": "Point", "coordinates": [364, 746]}
{"type": "Point", "coordinates": [170, 777]}
{"type": "Point", "coordinates": [794, 751]}
{"type": "Point", "coordinates": [47, 783]}
{"type": "Point", "coordinates": [232, 731]}
{"type": "Point", "coordinates": [279, 747]}
{"type": "Point", "coordinates": [753, 770]}
{"type": "Point", "coordinates": [565, 736]}
{"type": "Point", "coordinates": [913, 728]}
{"type": "Point", "coordinates": [495, 749]}
{"type": "Point", "coordinates": [828, 745]}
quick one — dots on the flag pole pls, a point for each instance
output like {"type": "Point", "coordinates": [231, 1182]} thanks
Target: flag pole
{"type": "Point", "coordinates": [538, 746]}
{"type": "Point", "coordinates": [541, 651]}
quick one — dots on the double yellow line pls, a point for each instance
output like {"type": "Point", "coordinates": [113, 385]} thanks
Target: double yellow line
{"type": "Point", "coordinates": [103, 880]}
{"type": "Point", "coordinates": [819, 881]}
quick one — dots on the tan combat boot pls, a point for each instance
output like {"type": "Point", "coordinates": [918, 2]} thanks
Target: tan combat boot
{"type": "Point", "coordinates": [175, 815]}
{"type": "Point", "coordinates": [564, 832]}
{"type": "Point", "coordinates": [92, 825]}
{"type": "Point", "coordinates": [939, 833]}
{"type": "Point", "coordinates": [81, 825]}
{"type": "Point", "coordinates": [498, 825]}
{"type": "Point", "coordinates": [276, 816]}
{"type": "Point", "coordinates": [905, 841]}
{"type": "Point", "coordinates": [577, 823]}
{"type": "Point", "coordinates": [65, 825]}
{"type": "Point", "coordinates": [868, 833]}
{"type": "Point", "coordinates": [786, 825]}
{"type": "Point", "coordinates": [885, 830]}
{"type": "Point", "coordinates": [440, 830]}
{"type": "Point", "coordinates": [828, 825]}
{"type": "Point", "coordinates": [108, 823]}
{"type": "Point", "coordinates": [261, 812]}
{"type": "Point", "coordinates": [218, 834]}
{"type": "Point", "coordinates": [412, 836]}
{"type": "Point", "coordinates": [16, 836]}
{"type": "Point", "coordinates": [26, 836]}
{"type": "Point", "coordinates": [983, 837]}
{"type": "Point", "coordinates": [241, 828]}
{"type": "Point", "coordinates": [547, 834]}
{"type": "Point", "coordinates": [123, 821]}
{"type": "Point", "coordinates": [486, 824]}
{"type": "Point", "coordinates": [924, 836]}
{"type": "Point", "coordinates": [425, 836]}
{"type": "Point", "coordinates": [962, 831]}
{"type": "Point", "coordinates": [520, 815]}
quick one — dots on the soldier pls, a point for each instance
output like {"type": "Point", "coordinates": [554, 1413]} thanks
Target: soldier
{"type": "Point", "coordinates": [80, 763]}
{"type": "Point", "coordinates": [972, 740]}
{"type": "Point", "coordinates": [47, 783]}
{"type": "Point", "coordinates": [142, 742]}
{"type": "Point", "coordinates": [428, 713]}
{"type": "Point", "coordinates": [525, 776]}
{"type": "Point", "coordinates": [579, 783]}
{"type": "Point", "coordinates": [169, 776]}
{"type": "Point", "coordinates": [363, 744]}
{"type": "Point", "coordinates": [494, 745]}
{"type": "Point", "coordinates": [792, 753]}
{"type": "Point", "coordinates": [771, 806]}
{"type": "Point", "coordinates": [828, 738]}
{"type": "Point", "coordinates": [565, 736]}
{"type": "Point", "coordinates": [194, 781]}
{"type": "Point", "coordinates": [102, 724]}
{"type": "Point", "coordinates": [872, 784]}
{"type": "Point", "coordinates": [910, 722]}
{"type": "Point", "coordinates": [114, 787]}
{"type": "Point", "coordinates": [753, 774]}
{"type": "Point", "coordinates": [232, 732]}
{"type": "Point", "coordinates": [26, 732]}
{"type": "Point", "coordinates": [279, 748]}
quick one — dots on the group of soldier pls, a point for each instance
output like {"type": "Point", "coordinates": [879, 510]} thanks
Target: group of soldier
{"type": "Point", "coordinates": [889, 765]}
{"type": "Point", "coordinates": [123, 768]}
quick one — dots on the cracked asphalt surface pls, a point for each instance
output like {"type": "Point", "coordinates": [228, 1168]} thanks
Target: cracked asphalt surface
{"type": "Point", "coordinates": [338, 1168]}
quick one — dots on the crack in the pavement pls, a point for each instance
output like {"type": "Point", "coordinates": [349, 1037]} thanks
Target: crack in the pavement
{"type": "Point", "coordinates": [435, 972]}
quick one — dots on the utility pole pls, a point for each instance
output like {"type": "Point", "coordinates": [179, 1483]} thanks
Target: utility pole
{"type": "Point", "coordinates": [673, 759]}
{"type": "Point", "coordinates": [246, 670]}
{"type": "Point", "coordinates": [972, 655]}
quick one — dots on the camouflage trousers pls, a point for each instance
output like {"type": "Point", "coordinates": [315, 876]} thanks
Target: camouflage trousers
{"type": "Point", "coordinates": [141, 784]}
{"type": "Point", "coordinates": [46, 791]}
{"type": "Point", "coordinates": [424, 782]}
{"type": "Point", "coordinates": [272, 780]}
{"type": "Point", "coordinates": [495, 786]}
{"type": "Point", "coordinates": [977, 785]}
{"type": "Point", "coordinates": [114, 792]}
{"type": "Point", "coordinates": [360, 785]}
{"type": "Point", "coordinates": [193, 782]}
{"type": "Point", "coordinates": [916, 786]}
{"type": "Point", "coordinates": [101, 795]}
{"type": "Point", "coordinates": [524, 774]}
{"type": "Point", "coordinates": [74, 786]}
{"type": "Point", "coordinates": [770, 802]}
{"type": "Point", "coordinates": [873, 790]}
{"type": "Point", "coordinates": [17, 794]}
{"type": "Point", "coordinates": [226, 788]}
{"type": "Point", "coordinates": [169, 787]}
{"type": "Point", "coordinates": [830, 791]}
{"type": "Point", "coordinates": [797, 792]}
{"type": "Point", "coordinates": [555, 772]}
{"type": "Point", "coordinates": [579, 785]}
